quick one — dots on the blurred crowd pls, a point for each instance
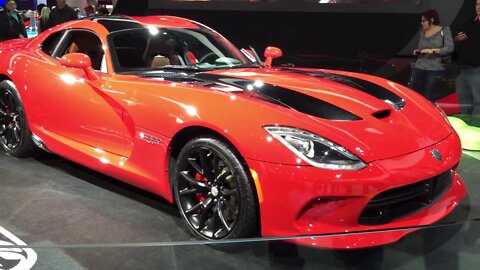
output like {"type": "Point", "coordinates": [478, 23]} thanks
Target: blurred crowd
{"type": "Point", "coordinates": [15, 23]}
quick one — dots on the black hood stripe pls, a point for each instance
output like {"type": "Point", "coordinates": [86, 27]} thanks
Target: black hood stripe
{"type": "Point", "coordinates": [365, 86]}
{"type": "Point", "coordinates": [267, 92]}
{"type": "Point", "coordinates": [285, 97]}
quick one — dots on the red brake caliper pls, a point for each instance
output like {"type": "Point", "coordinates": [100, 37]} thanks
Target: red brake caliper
{"type": "Point", "coordinates": [201, 196]}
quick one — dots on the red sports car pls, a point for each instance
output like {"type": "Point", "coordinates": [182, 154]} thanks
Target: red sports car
{"type": "Point", "coordinates": [243, 148]}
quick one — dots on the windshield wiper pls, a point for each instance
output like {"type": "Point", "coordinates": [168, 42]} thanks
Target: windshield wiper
{"type": "Point", "coordinates": [174, 67]}
{"type": "Point", "coordinates": [252, 56]}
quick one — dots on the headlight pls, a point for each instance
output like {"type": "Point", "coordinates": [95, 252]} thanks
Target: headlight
{"type": "Point", "coordinates": [315, 150]}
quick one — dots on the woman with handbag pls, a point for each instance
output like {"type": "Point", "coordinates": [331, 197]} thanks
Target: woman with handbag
{"type": "Point", "coordinates": [433, 51]}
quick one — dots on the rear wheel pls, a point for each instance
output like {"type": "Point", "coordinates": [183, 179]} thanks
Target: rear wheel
{"type": "Point", "coordinates": [15, 136]}
{"type": "Point", "coordinates": [213, 191]}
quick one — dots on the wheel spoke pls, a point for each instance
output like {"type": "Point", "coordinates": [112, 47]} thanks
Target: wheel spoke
{"type": "Point", "coordinates": [203, 215]}
{"type": "Point", "coordinates": [214, 224]}
{"type": "Point", "coordinates": [192, 180]}
{"type": "Point", "coordinates": [222, 176]}
{"type": "Point", "coordinates": [215, 164]}
{"type": "Point", "coordinates": [193, 162]}
{"type": "Point", "coordinates": [7, 136]}
{"type": "Point", "coordinates": [207, 169]}
{"type": "Point", "coordinates": [228, 192]}
{"type": "Point", "coordinates": [16, 134]}
{"type": "Point", "coordinates": [17, 125]}
{"type": "Point", "coordinates": [190, 211]}
{"type": "Point", "coordinates": [187, 191]}
{"type": "Point", "coordinates": [222, 218]}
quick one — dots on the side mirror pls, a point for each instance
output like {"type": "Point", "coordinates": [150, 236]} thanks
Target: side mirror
{"type": "Point", "coordinates": [80, 61]}
{"type": "Point", "coordinates": [271, 53]}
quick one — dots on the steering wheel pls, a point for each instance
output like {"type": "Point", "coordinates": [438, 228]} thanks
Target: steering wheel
{"type": "Point", "coordinates": [206, 57]}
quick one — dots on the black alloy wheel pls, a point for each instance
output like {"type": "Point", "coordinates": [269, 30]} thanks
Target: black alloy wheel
{"type": "Point", "coordinates": [213, 191]}
{"type": "Point", "coordinates": [15, 136]}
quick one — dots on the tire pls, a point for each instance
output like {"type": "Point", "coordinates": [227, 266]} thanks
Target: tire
{"type": "Point", "coordinates": [15, 135]}
{"type": "Point", "coordinates": [213, 191]}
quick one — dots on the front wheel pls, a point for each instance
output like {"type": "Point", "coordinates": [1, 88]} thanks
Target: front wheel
{"type": "Point", "coordinates": [213, 191]}
{"type": "Point", "coordinates": [15, 136]}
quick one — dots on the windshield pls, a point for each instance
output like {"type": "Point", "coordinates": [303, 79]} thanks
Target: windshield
{"type": "Point", "coordinates": [160, 48]}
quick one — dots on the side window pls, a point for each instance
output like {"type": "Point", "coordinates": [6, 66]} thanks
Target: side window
{"type": "Point", "coordinates": [49, 44]}
{"type": "Point", "coordinates": [84, 42]}
{"type": "Point", "coordinates": [129, 47]}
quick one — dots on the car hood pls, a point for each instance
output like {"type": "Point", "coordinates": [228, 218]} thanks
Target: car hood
{"type": "Point", "coordinates": [372, 117]}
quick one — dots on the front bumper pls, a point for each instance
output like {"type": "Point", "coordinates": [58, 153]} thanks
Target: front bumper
{"type": "Point", "coordinates": [303, 200]}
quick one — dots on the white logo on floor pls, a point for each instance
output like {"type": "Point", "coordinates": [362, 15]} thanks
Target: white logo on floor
{"type": "Point", "coordinates": [14, 258]}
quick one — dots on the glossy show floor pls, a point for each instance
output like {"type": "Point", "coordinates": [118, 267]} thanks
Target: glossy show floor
{"type": "Point", "coordinates": [73, 218]}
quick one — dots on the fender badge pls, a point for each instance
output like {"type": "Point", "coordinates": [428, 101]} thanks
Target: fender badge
{"type": "Point", "coordinates": [436, 154]}
{"type": "Point", "coordinates": [149, 139]}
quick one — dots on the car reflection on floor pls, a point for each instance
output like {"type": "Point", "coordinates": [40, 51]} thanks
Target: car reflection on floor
{"type": "Point", "coordinates": [50, 201]}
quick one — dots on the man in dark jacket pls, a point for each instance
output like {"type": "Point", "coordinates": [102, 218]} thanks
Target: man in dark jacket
{"type": "Point", "coordinates": [11, 23]}
{"type": "Point", "coordinates": [62, 13]}
{"type": "Point", "coordinates": [468, 57]}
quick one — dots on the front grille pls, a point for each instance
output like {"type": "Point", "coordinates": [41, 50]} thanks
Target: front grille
{"type": "Point", "coordinates": [403, 201]}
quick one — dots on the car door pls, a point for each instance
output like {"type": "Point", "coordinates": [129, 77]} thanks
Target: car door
{"type": "Point", "coordinates": [67, 103]}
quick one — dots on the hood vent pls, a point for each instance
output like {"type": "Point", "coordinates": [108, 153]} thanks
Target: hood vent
{"type": "Point", "coordinates": [382, 114]}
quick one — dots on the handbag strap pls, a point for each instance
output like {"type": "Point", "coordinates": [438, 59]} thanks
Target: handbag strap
{"type": "Point", "coordinates": [443, 38]}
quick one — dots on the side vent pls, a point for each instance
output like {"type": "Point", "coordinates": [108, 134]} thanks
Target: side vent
{"type": "Point", "coordinates": [39, 143]}
{"type": "Point", "coordinates": [382, 114]}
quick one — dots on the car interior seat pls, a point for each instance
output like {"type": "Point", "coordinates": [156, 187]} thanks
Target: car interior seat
{"type": "Point", "coordinates": [159, 61]}
{"type": "Point", "coordinates": [161, 49]}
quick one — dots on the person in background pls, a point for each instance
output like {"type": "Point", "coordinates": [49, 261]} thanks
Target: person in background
{"type": "Point", "coordinates": [89, 10]}
{"type": "Point", "coordinates": [44, 21]}
{"type": "Point", "coordinates": [102, 10]}
{"type": "Point", "coordinates": [61, 13]}
{"type": "Point", "coordinates": [435, 41]}
{"type": "Point", "coordinates": [77, 12]}
{"type": "Point", "coordinates": [468, 58]}
{"type": "Point", "coordinates": [11, 22]}
{"type": "Point", "coordinates": [39, 8]}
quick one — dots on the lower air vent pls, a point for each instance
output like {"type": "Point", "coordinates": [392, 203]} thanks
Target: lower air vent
{"type": "Point", "coordinates": [406, 200]}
